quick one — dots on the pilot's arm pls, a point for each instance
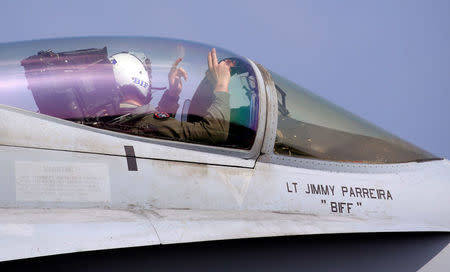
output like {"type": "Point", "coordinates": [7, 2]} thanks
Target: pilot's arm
{"type": "Point", "coordinates": [168, 104]}
{"type": "Point", "coordinates": [213, 128]}
{"type": "Point", "coordinates": [169, 101]}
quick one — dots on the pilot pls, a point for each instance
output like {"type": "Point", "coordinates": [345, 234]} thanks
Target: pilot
{"type": "Point", "coordinates": [132, 73]}
{"type": "Point", "coordinates": [213, 126]}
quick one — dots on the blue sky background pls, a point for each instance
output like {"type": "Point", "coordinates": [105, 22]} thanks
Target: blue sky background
{"type": "Point", "coordinates": [387, 61]}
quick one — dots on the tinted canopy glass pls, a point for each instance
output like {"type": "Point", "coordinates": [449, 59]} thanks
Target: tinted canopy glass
{"type": "Point", "coordinates": [149, 87]}
{"type": "Point", "coordinates": [309, 126]}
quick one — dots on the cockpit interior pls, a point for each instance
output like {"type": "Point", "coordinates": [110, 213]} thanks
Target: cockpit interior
{"type": "Point", "coordinates": [99, 81]}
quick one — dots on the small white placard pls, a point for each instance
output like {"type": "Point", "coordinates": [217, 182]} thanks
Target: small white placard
{"type": "Point", "coordinates": [62, 182]}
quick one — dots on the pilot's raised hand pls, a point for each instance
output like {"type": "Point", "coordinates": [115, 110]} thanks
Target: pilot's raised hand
{"type": "Point", "coordinates": [218, 74]}
{"type": "Point", "coordinates": [175, 75]}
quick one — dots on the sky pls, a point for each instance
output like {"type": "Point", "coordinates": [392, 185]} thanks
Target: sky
{"type": "Point", "coordinates": [387, 61]}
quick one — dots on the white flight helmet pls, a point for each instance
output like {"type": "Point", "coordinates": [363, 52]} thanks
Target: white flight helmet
{"type": "Point", "coordinates": [130, 71]}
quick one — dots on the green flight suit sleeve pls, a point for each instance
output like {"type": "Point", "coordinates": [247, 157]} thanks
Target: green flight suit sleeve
{"type": "Point", "coordinates": [168, 104]}
{"type": "Point", "coordinates": [212, 129]}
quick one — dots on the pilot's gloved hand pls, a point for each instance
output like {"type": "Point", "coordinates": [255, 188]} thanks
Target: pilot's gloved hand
{"type": "Point", "coordinates": [218, 74]}
{"type": "Point", "coordinates": [175, 75]}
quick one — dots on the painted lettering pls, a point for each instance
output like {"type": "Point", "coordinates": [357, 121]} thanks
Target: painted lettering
{"type": "Point", "coordinates": [339, 207]}
{"type": "Point", "coordinates": [389, 196]}
{"type": "Point", "coordinates": [358, 192]}
{"type": "Point", "coordinates": [287, 187]}
{"type": "Point", "coordinates": [344, 190]}
{"type": "Point", "coordinates": [352, 192]}
{"type": "Point", "coordinates": [365, 192]}
{"type": "Point", "coordinates": [324, 190]}
{"type": "Point", "coordinates": [315, 190]}
{"type": "Point", "coordinates": [362, 192]}
{"type": "Point", "coordinates": [371, 193]}
{"type": "Point", "coordinates": [332, 189]}
{"type": "Point", "coordinates": [319, 189]}
{"type": "Point", "coordinates": [308, 191]}
{"type": "Point", "coordinates": [381, 194]}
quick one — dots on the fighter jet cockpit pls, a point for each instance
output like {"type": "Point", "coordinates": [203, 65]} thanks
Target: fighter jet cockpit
{"type": "Point", "coordinates": [155, 88]}
{"type": "Point", "coordinates": [166, 89]}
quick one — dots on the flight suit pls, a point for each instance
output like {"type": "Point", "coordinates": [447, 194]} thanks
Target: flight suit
{"type": "Point", "coordinates": [168, 104]}
{"type": "Point", "coordinates": [211, 129]}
